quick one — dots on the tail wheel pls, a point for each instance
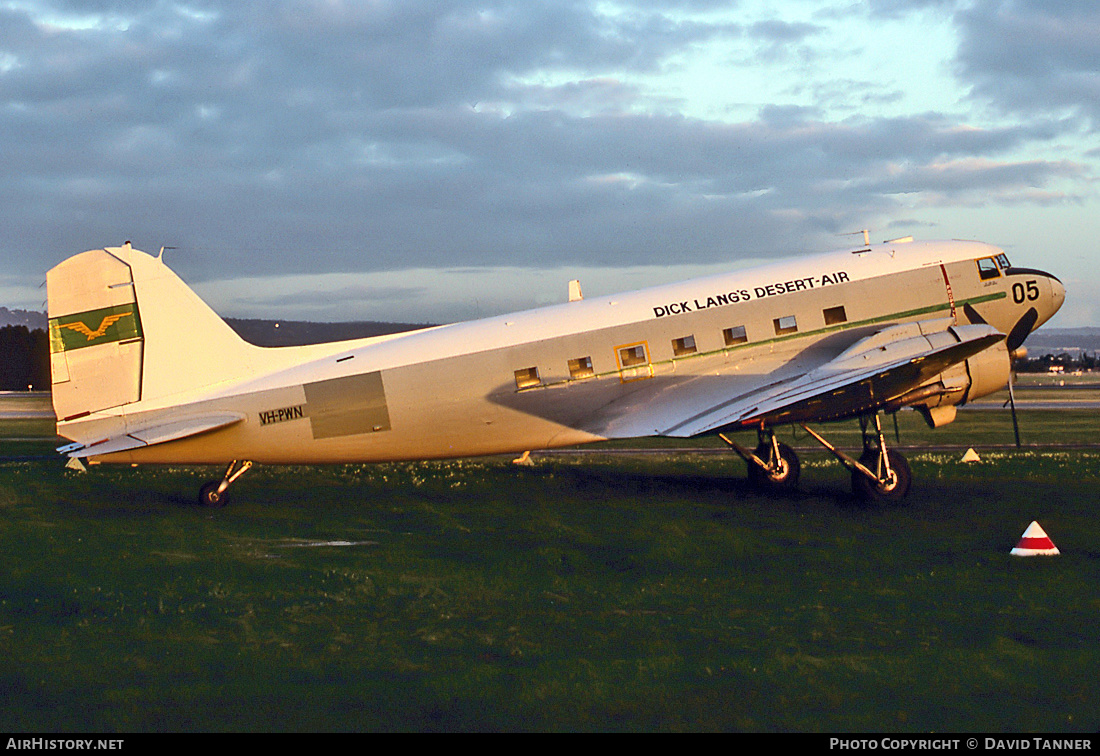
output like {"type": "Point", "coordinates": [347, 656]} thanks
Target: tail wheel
{"type": "Point", "coordinates": [784, 473]}
{"type": "Point", "coordinates": [890, 489]}
{"type": "Point", "coordinates": [209, 496]}
{"type": "Point", "coordinates": [216, 492]}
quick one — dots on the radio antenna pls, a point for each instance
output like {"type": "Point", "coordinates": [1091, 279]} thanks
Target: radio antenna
{"type": "Point", "coordinates": [866, 235]}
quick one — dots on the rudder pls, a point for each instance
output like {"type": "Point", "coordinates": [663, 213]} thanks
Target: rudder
{"type": "Point", "coordinates": [96, 338]}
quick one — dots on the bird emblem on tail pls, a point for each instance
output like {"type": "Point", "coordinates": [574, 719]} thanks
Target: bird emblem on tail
{"type": "Point", "coordinates": [104, 324]}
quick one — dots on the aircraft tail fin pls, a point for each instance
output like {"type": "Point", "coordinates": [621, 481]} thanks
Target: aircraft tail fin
{"type": "Point", "coordinates": [124, 328]}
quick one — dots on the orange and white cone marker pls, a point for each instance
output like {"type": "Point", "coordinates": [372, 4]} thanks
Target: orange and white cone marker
{"type": "Point", "coordinates": [1035, 542]}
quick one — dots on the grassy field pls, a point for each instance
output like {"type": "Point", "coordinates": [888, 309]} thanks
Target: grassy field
{"type": "Point", "coordinates": [608, 592]}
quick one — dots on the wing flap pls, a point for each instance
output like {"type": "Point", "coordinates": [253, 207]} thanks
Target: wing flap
{"type": "Point", "coordinates": [156, 434]}
{"type": "Point", "coordinates": [866, 376]}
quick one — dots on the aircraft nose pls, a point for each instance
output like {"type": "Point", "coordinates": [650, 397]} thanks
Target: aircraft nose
{"type": "Point", "coordinates": [1051, 303]}
{"type": "Point", "coordinates": [1057, 296]}
{"type": "Point", "coordinates": [1044, 292]}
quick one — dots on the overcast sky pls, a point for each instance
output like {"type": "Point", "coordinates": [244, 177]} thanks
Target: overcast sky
{"type": "Point", "coordinates": [434, 160]}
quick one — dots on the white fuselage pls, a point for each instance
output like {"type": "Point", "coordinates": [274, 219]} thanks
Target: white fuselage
{"type": "Point", "coordinates": [607, 367]}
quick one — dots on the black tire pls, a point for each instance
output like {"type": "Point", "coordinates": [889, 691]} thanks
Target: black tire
{"type": "Point", "coordinates": [893, 492]}
{"type": "Point", "coordinates": [786, 479]}
{"type": "Point", "coordinates": [209, 496]}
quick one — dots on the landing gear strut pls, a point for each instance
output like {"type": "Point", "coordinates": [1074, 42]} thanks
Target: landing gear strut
{"type": "Point", "coordinates": [880, 474]}
{"type": "Point", "coordinates": [216, 492]}
{"type": "Point", "coordinates": [772, 466]}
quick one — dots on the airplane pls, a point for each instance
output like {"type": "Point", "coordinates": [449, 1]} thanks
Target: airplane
{"type": "Point", "coordinates": [143, 371]}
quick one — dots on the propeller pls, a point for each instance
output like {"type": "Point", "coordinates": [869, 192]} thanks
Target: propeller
{"type": "Point", "coordinates": [1015, 342]}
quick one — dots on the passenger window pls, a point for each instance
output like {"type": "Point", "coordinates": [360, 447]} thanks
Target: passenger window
{"type": "Point", "coordinates": [834, 315]}
{"type": "Point", "coordinates": [683, 346]}
{"type": "Point", "coordinates": [735, 335]}
{"type": "Point", "coordinates": [527, 377]}
{"type": "Point", "coordinates": [786, 324]}
{"type": "Point", "coordinates": [581, 368]}
{"type": "Point", "coordinates": [987, 268]}
{"type": "Point", "coordinates": [631, 356]}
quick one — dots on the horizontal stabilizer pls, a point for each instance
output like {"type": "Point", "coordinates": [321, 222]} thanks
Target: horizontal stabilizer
{"type": "Point", "coordinates": [156, 434]}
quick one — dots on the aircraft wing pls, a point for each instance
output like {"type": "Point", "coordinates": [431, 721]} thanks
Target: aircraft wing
{"type": "Point", "coordinates": [155, 434]}
{"type": "Point", "coordinates": [866, 376]}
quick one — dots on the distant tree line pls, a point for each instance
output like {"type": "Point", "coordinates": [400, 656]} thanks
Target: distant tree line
{"type": "Point", "coordinates": [1068, 362]}
{"type": "Point", "coordinates": [24, 359]}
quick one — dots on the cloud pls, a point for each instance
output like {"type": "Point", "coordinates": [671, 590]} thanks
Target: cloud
{"type": "Point", "coordinates": [180, 122]}
{"type": "Point", "coordinates": [313, 137]}
{"type": "Point", "coordinates": [901, 8]}
{"type": "Point", "coordinates": [1033, 56]}
{"type": "Point", "coordinates": [782, 40]}
{"type": "Point", "coordinates": [979, 181]}
{"type": "Point", "coordinates": [421, 295]}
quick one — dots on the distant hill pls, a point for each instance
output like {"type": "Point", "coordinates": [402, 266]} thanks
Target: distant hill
{"type": "Point", "coordinates": [29, 318]}
{"type": "Point", "coordinates": [272, 333]}
{"type": "Point", "coordinates": [1057, 340]}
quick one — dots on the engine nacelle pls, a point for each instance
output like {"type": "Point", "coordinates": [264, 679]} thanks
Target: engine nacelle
{"type": "Point", "coordinates": [990, 371]}
{"type": "Point", "coordinates": [985, 373]}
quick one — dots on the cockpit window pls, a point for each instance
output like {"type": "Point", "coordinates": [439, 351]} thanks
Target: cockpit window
{"type": "Point", "coordinates": [987, 268]}
{"type": "Point", "coordinates": [1002, 261]}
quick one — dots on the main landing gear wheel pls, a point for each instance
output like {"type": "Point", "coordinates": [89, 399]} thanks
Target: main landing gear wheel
{"type": "Point", "coordinates": [781, 474]}
{"type": "Point", "coordinates": [880, 474]}
{"type": "Point", "coordinates": [772, 466]}
{"type": "Point", "coordinates": [892, 485]}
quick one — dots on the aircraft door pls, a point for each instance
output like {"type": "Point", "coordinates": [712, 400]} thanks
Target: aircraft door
{"type": "Point", "coordinates": [634, 361]}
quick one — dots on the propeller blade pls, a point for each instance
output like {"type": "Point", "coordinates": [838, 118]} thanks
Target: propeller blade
{"type": "Point", "coordinates": [1012, 405]}
{"type": "Point", "coordinates": [973, 315]}
{"type": "Point", "coordinates": [1022, 329]}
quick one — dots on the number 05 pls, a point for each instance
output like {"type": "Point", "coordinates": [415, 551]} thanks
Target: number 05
{"type": "Point", "coordinates": [1025, 292]}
